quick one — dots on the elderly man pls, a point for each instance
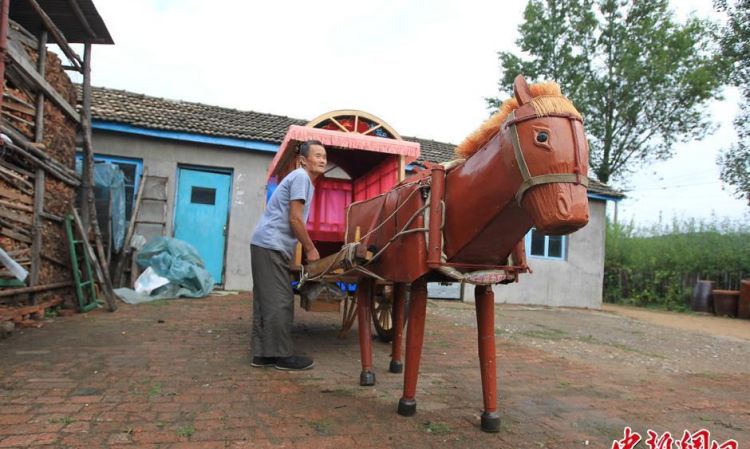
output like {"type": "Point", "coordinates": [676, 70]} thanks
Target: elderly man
{"type": "Point", "coordinates": [272, 245]}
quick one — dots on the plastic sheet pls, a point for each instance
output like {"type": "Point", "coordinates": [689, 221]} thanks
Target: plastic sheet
{"type": "Point", "coordinates": [177, 261]}
{"type": "Point", "coordinates": [109, 184]}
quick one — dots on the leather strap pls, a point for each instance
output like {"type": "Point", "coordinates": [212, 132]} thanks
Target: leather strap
{"type": "Point", "coordinates": [572, 178]}
{"type": "Point", "coordinates": [531, 181]}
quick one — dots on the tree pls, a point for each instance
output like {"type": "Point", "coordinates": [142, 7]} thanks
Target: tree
{"type": "Point", "coordinates": [735, 45]}
{"type": "Point", "coordinates": [640, 79]}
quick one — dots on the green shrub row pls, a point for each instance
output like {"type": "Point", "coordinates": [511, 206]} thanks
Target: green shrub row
{"type": "Point", "coordinates": [658, 266]}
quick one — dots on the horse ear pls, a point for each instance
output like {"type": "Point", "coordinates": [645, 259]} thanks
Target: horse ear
{"type": "Point", "coordinates": [521, 90]}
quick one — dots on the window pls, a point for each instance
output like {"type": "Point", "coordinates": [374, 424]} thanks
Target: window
{"type": "Point", "coordinates": [203, 195]}
{"type": "Point", "coordinates": [546, 246]}
{"type": "Point", "coordinates": [131, 168]}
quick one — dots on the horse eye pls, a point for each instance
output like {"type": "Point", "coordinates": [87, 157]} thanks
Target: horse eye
{"type": "Point", "coordinates": [542, 137]}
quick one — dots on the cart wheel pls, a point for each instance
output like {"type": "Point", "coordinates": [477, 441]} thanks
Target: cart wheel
{"type": "Point", "coordinates": [348, 315]}
{"type": "Point", "coordinates": [382, 309]}
{"type": "Point", "coordinates": [353, 121]}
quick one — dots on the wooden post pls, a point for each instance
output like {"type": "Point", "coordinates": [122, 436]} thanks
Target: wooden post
{"type": "Point", "coordinates": [4, 8]}
{"type": "Point", "coordinates": [125, 252]}
{"type": "Point", "coordinates": [407, 405]}
{"type": "Point", "coordinates": [364, 316]}
{"type": "Point", "coordinates": [399, 301]}
{"type": "Point", "coordinates": [485, 307]}
{"type": "Point", "coordinates": [37, 224]}
{"type": "Point", "coordinates": [88, 211]}
{"type": "Point", "coordinates": [87, 192]}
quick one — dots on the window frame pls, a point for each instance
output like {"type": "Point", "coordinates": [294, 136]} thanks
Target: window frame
{"type": "Point", "coordinates": [563, 253]}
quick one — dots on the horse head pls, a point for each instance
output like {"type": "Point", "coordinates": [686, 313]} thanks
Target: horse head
{"type": "Point", "coordinates": [551, 151]}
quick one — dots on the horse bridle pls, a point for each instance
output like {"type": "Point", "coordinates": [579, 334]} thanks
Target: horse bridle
{"type": "Point", "coordinates": [530, 181]}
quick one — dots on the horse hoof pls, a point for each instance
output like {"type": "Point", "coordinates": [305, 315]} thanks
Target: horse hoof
{"type": "Point", "coordinates": [490, 422]}
{"type": "Point", "coordinates": [366, 379]}
{"type": "Point", "coordinates": [407, 407]}
{"type": "Point", "coordinates": [396, 367]}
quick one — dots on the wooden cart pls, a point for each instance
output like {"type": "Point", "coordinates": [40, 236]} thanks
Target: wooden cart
{"type": "Point", "coordinates": [366, 157]}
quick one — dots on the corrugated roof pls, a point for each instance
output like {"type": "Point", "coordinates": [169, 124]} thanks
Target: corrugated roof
{"type": "Point", "coordinates": [62, 14]}
{"type": "Point", "coordinates": [174, 115]}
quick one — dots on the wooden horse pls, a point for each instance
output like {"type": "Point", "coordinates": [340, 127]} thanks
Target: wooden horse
{"type": "Point", "coordinates": [526, 166]}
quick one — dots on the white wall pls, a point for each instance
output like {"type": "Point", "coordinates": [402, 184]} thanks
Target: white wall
{"type": "Point", "coordinates": [163, 157]}
{"type": "Point", "coordinates": [574, 282]}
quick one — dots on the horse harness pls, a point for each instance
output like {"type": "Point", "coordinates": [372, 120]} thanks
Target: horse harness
{"type": "Point", "coordinates": [530, 181]}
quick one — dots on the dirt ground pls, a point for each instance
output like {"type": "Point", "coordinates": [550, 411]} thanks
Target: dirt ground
{"type": "Point", "coordinates": [176, 374]}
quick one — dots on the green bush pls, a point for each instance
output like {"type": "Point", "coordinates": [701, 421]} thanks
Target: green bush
{"type": "Point", "coordinates": [658, 266]}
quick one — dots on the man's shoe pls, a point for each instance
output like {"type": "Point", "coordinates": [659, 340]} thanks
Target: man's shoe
{"type": "Point", "coordinates": [263, 362]}
{"type": "Point", "coordinates": [294, 363]}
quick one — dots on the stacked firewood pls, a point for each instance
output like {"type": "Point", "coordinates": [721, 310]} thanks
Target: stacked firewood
{"type": "Point", "coordinates": [55, 154]}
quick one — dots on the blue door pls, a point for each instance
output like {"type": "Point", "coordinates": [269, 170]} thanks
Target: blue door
{"type": "Point", "coordinates": [201, 215]}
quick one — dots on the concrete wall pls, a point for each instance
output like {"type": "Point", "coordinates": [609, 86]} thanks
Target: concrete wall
{"type": "Point", "coordinates": [574, 282]}
{"type": "Point", "coordinates": [163, 157]}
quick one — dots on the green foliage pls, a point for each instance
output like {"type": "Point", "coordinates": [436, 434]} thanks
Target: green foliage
{"type": "Point", "coordinates": [186, 431]}
{"type": "Point", "coordinates": [640, 78]}
{"type": "Point", "coordinates": [735, 45]}
{"type": "Point", "coordinates": [658, 266]}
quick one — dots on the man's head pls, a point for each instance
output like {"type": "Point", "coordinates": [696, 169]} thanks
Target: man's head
{"type": "Point", "coordinates": [312, 156]}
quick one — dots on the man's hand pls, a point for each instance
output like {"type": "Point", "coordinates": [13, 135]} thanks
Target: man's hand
{"type": "Point", "coordinates": [297, 223]}
{"type": "Point", "coordinates": [312, 255]}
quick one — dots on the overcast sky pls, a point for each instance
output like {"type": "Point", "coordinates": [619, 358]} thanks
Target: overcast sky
{"type": "Point", "coordinates": [423, 67]}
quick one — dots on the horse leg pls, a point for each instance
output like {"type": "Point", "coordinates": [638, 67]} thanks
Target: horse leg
{"type": "Point", "coordinates": [485, 305]}
{"type": "Point", "coordinates": [399, 298]}
{"type": "Point", "coordinates": [364, 315]}
{"type": "Point", "coordinates": [407, 405]}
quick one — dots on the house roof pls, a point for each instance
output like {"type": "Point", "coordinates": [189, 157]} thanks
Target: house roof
{"type": "Point", "coordinates": [175, 115]}
{"type": "Point", "coordinates": [64, 16]}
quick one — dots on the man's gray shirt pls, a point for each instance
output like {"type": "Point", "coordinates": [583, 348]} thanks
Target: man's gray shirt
{"type": "Point", "coordinates": [273, 230]}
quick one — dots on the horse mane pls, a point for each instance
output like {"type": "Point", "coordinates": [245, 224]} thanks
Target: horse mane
{"type": "Point", "coordinates": [546, 99]}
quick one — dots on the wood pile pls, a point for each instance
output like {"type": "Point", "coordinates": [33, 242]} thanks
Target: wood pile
{"type": "Point", "coordinates": [55, 154]}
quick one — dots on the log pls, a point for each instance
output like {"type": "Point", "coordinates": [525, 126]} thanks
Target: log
{"type": "Point", "coordinates": [36, 289]}
{"type": "Point", "coordinates": [13, 195]}
{"type": "Point", "coordinates": [13, 182]}
{"type": "Point", "coordinates": [20, 101]}
{"type": "Point", "coordinates": [7, 164]}
{"type": "Point", "coordinates": [22, 65]}
{"type": "Point", "coordinates": [39, 157]}
{"type": "Point", "coordinates": [17, 118]}
{"type": "Point", "coordinates": [120, 267]}
{"type": "Point", "coordinates": [15, 176]}
{"type": "Point", "coordinates": [15, 216]}
{"type": "Point", "coordinates": [36, 228]}
{"type": "Point", "coordinates": [57, 35]}
{"type": "Point", "coordinates": [15, 236]}
{"type": "Point", "coordinates": [16, 206]}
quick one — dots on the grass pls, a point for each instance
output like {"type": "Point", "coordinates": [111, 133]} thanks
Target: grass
{"type": "Point", "coordinates": [186, 431]}
{"type": "Point", "coordinates": [155, 390]}
{"type": "Point", "coordinates": [622, 347]}
{"type": "Point", "coordinates": [545, 333]}
{"type": "Point", "coordinates": [437, 428]}
{"type": "Point", "coordinates": [64, 420]}
{"type": "Point", "coordinates": [321, 427]}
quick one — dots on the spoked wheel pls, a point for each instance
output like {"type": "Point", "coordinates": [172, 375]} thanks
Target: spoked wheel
{"type": "Point", "coordinates": [382, 312]}
{"type": "Point", "coordinates": [348, 315]}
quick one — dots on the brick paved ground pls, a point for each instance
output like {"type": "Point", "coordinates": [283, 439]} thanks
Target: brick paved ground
{"type": "Point", "coordinates": [176, 374]}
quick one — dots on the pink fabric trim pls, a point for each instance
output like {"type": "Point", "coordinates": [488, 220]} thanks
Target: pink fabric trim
{"type": "Point", "coordinates": [353, 141]}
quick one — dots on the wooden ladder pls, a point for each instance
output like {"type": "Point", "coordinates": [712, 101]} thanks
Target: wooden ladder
{"type": "Point", "coordinates": [149, 218]}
